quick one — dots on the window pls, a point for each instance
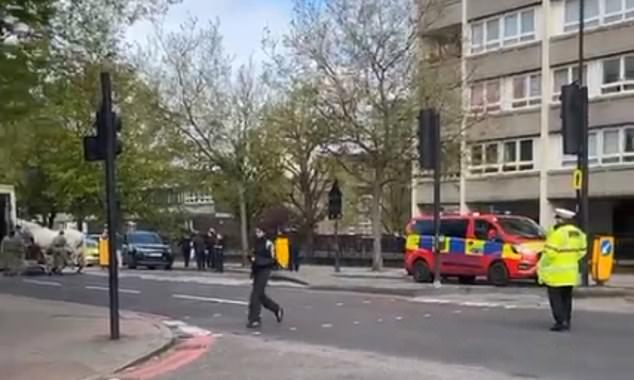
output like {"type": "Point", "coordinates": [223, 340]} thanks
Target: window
{"type": "Point", "coordinates": [424, 227]}
{"type": "Point", "coordinates": [491, 158]}
{"type": "Point", "coordinates": [566, 75]}
{"type": "Point", "coordinates": [527, 90]}
{"type": "Point", "coordinates": [598, 12]}
{"type": "Point", "coordinates": [504, 30]}
{"type": "Point", "coordinates": [518, 156]}
{"type": "Point", "coordinates": [608, 147]}
{"type": "Point", "coordinates": [477, 38]}
{"type": "Point", "coordinates": [481, 229]}
{"type": "Point", "coordinates": [505, 156]}
{"type": "Point", "coordinates": [493, 34]}
{"type": "Point", "coordinates": [618, 74]}
{"type": "Point", "coordinates": [485, 96]}
{"type": "Point", "coordinates": [455, 228]}
{"type": "Point", "coordinates": [611, 148]}
{"type": "Point", "coordinates": [197, 198]}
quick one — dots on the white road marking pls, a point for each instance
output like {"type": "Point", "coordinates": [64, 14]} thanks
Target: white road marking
{"type": "Point", "coordinates": [510, 307]}
{"type": "Point", "coordinates": [326, 325]}
{"type": "Point", "coordinates": [399, 318]}
{"type": "Point", "coordinates": [380, 320]}
{"type": "Point", "coordinates": [257, 333]}
{"type": "Point", "coordinates": [217, 315]}
{"type": "Point", "coordinates": [339, 303]}
{"type": "Point", "coordinates": [457, 311]}
{"type": "Point", "coordinates": [367, 302]}
{"type": "Point", "coordinates": [356, 323]}
{"type": "Point", "coordinates": [427, 315]}
{"type": "Point", "coordinates": [208, 299]}
{"type": "Point", "coordinates": [174, 323]}
{"type": "Point", "coordinates": [293, 328]}
{"type": "Point", "coordinates": [43, 283]}
{"type": "Point", "coordinates": [121, 290]}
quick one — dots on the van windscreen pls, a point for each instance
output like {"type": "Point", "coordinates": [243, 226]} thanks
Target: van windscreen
{"type": "Point", "coordinates": [522, 227]}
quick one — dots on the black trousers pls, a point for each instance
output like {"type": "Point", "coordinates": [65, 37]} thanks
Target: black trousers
{"type": "Point", "coordinates": [211, 258]}
{"type": "Point", "coordinates": [258, 295]}
{"type": "Point", "coordinates": [561, 303]}
{"type": "Point", "coordinates": [200, 260]}
{"type": "Point", "coordinates": [186, 254]}
{"type": "Point", "coordinates": [219, 259]}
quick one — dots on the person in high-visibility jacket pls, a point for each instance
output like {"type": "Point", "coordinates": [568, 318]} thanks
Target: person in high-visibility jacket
{"type": "Point", "coordinates": [558, 267]}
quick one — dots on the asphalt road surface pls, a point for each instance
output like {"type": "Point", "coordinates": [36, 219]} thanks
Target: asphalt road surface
{"type": "Point", "coordinates": [514, 344]}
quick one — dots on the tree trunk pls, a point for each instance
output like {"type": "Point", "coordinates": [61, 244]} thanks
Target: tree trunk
{"type": "Point", "coordinates": [309, 243]}
{"type": "Point", "coordinates": [377, 260]}
{"type": "Point", "coordinates": [244, 233]}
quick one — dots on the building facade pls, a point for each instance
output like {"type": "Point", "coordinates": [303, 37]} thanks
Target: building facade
{"type": "Point", "coordinates": [513, 58]}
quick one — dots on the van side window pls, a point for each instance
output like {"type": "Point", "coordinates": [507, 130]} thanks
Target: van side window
{"type": "Point", "coordinates": [455, 228]}
{"type": "Point", "coordinates": [424, 227]}
{"type": "Point", "coordinates": [481, 229]}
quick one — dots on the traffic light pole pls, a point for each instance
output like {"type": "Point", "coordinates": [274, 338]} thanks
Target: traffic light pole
{"type": "Point", "coordinates": [583, 203]}
{"type": "Point", "coordinates": [111, 200]}
{"type": "Point", "coordinates": [436, 161]}
{"type": "Point", "coordinates": [337, 254]}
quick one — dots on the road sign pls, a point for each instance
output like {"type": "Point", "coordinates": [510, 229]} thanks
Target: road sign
{"type": "Point", "coordinates": [606, 247]}
{"type": "Point", "coordinates": [577, 179]}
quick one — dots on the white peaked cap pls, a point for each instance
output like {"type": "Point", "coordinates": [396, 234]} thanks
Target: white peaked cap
{"type": "Point", "coordinates": [564, 214]}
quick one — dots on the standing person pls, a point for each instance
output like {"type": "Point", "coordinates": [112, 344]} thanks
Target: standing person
{"type": "Point", "coordinates": [558, 268]}
{"type": "Point", "coordinates": [210, 241]}
{"type": "Point", "coordinates": [59, 246]}
{"type": "Point", "coordinates": [199, 249]}
{"type": "Point", "coordinates": [262, 263]}
{"type": "Point", "coordinates": [185, 243]}
{"type": "Point", "coordinates": [219, 253]}
{"type": "Point", "coordinates": [12, 254]}
{"type": "Point", "coordinates": [295, 250]}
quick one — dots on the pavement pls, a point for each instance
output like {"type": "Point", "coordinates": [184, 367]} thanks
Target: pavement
{"type": "Point", "coordinates": [387, 333]}
{"type": "Point", "coordinates": [44, 339]}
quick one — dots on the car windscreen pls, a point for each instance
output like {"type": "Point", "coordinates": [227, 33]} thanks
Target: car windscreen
{"type": "Point", "coordinates": [144, 238]}
{"type": "Point", "coordinates": [90, 243]}
{"type": "Point", "coordinates": [522, 227]}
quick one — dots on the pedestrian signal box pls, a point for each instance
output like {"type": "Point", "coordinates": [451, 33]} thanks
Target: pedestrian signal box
{"type": "Point", "coordinates": [602, 259]}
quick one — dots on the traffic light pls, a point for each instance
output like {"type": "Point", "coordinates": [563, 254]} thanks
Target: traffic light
{"type": "Point", "coordinates": [574, 116]}
{"type": "Point", "coordinates": [334, 202]}
{"type": "Point", "coordinates": [95, 146]}
{"type": "Point", "coordinates": [428, 138]}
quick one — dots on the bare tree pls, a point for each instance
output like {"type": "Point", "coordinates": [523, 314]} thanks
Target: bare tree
{"type": "Point", "coordinates": [363, 52]}
{"type": "Point", "coordinates": [303, 134]}
{"type": "Point", "coordinates": [218, 114]}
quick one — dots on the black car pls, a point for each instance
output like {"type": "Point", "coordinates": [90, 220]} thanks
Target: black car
{"type": "Point", "coordinates": [145, 248]}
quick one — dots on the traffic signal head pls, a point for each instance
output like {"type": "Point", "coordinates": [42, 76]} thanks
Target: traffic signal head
{"type": "Point", "coordinates": [574, 116]}
{"type": "Point", "coordinates": [428, 134]}
{"type": "Point", "coordinates": [334, 202]}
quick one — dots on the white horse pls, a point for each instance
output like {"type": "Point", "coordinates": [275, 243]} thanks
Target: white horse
{"type": "Point", "coordinates": [44, 237]}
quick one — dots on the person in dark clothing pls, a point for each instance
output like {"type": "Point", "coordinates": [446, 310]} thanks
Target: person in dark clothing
{"type": "Point", "coordinates": [219, 253]}
{"type": "Point", "coordinates": [262, 263]}
{"type": "Point", "coordinates": [294, 248]}
{"type": "Point", "coordinates": [199, 249]}
{"type": "Point", "coordinates": [210, 241]}
{"type": "Point", "coordinates": [186, 246]}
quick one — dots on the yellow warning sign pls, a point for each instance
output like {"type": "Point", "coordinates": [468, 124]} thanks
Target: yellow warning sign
{"type": "Point", "coordinates": [577, 179]}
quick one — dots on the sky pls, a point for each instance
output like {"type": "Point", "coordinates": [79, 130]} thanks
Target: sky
{"type": "Point", "coordinates": [241, 22]}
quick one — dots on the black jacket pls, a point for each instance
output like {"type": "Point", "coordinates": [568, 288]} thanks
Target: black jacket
{"type": "Point", "coordinates": [263, 253]}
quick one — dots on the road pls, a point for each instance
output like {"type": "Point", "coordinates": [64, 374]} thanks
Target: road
{"type": "Point", "coordinates": [510, 343]}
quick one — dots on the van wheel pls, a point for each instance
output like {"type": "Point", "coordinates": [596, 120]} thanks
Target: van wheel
{"type": "Point", "coordinates": [421, 272]}
{"type": "Point", "coordinates": [498, 274]}
{"type": "Point", "coordinates": [467, 280]}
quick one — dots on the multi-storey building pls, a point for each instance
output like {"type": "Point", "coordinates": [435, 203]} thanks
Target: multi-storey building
{"type": "Point", "coordinates": [512, 57]}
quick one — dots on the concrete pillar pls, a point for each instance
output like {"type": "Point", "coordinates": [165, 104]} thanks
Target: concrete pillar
{"type": "Point", "coordinates": [545, 207]}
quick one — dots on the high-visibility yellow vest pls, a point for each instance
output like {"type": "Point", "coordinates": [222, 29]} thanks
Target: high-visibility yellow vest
{"type": "Point", "coordinates": [559, 264]}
